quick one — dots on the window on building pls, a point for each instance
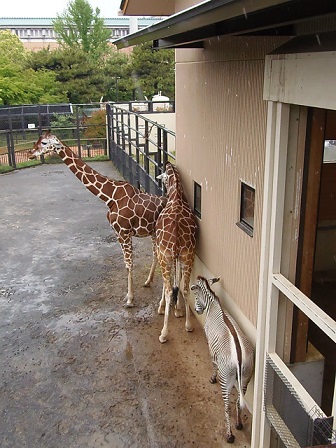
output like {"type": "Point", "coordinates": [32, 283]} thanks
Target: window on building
{"type": "Point", "coordinates": [247, 202]}
{"type": "Point", "coordinates": [197, 199]}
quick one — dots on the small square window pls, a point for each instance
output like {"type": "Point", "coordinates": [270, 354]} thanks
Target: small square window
{"type": "Point", "coordinates": [247, 202]}
{"type": "Point", "coordinates": [197, 199]}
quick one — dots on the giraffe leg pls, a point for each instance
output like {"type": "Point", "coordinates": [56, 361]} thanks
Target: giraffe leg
{"type": "Point", "coordinates": [164, 332]}
{"type": "Point", "coordinates": [154, 263]}
{"type": "Point", "coordinates": [126, 246]}
{"type": "Point", "coordinates": [168, 292]}
{"type": "Point", "coordinates": [186, 280]}
{"type": "Point", "coordinates": [161, 309]}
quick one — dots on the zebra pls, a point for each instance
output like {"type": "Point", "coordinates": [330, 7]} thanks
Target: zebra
{"type": "Point", "coordinates": [232, 354]}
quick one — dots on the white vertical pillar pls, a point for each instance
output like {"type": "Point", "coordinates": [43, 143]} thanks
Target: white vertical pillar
{"type": "Point", "coordinates": [272, 222]}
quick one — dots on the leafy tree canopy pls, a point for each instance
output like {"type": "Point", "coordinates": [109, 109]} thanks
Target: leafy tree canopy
{"type": "Point", "coordinates": [28, 86]}
{"type": "Point", "coordinates": [11, 48]}
{"type": "Point", "coordinates": [82, 81]}
{"type": "Point", "coordinates": [152, 71]}
{"type": "Point", "coordinates": [22, 85]}
{"type": "Point", "coordinates": [81, 27]}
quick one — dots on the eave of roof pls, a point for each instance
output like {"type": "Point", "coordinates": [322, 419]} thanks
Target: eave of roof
{"type": "Point", "coordinates": [211, 18]}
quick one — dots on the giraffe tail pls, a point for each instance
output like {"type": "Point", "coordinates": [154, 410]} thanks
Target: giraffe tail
{"type": "Point", "coordinates": [175, 294]}
{"type": "Point", "coordinates": [176, 281]}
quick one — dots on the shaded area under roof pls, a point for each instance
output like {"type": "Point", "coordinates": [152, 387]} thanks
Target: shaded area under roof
{"type": "Point", "coordinates": [192, 26]}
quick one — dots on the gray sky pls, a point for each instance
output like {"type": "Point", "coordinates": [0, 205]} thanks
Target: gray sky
{"type": "Point", "coordinates": [47, 8]}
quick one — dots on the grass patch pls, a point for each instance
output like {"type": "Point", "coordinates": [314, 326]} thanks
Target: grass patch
{"type": "Point", "coordinates": [5, 169]}
{"type": "Point", "coordinates": [97, 159]}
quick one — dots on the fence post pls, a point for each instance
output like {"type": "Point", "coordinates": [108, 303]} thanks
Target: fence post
{"type": "Point", "coordinates": [146, 155]}
{"type": "Point", "coordinates": [165, 148]}
{"type": "Point", "coordinates": [108, 129]}
{"type": "Point", "coordinates": [10, 149]}
{"type": "Point", "coordinates": [78, 134]}
{"type": "Point", "coordinates": [159, 153]}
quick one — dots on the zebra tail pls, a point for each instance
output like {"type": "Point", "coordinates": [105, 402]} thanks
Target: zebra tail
{"type": "Point", "coordinates": [242, 403]}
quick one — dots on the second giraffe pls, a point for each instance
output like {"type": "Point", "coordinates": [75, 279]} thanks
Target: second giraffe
{"type": "Point", "coordinates": [176, 242]}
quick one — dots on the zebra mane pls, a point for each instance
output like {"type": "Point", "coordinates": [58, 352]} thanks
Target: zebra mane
{"type": "Point", "coordinates": [208, 287]}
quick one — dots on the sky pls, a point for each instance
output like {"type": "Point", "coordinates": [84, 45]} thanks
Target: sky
{"type": "Point", "coordinates": [47, 8]}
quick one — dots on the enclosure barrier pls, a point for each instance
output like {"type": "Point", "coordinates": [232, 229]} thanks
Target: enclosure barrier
{"type": "Point", "coordinates": [89, 130]}
{"type": "Point", "coordinates": [138, 146]}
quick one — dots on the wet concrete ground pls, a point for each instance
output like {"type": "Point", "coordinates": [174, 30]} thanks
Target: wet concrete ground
{"type": "Point", "coordinates": [77, 368]}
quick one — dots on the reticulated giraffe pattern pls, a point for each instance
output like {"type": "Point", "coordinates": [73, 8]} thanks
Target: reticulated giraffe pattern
{"type": "Point", "coordinates": [231, 352]}
{"type": "Point", "coordinates": [176, 242]}
{"type": "Point", "coordinates": [131, 211]}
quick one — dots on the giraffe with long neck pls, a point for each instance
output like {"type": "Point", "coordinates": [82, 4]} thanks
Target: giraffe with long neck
{"type": "Point", "coordinates": [131, 211]}
{"type": "Point", "coordinates": [176, 242]}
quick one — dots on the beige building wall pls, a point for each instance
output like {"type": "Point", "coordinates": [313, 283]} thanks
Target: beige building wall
{"type": "Point", "coordinates": [180, 5]}
{"type": "Point", "coordinates": [221, 130]}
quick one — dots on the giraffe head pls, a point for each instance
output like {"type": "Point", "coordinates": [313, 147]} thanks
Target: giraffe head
{"type": "Point", "coordinates": [46, 144]}
{"type": "Point", "coordinates": [170, 178]}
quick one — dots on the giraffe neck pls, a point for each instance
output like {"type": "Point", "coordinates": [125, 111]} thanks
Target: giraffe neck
{"type": "Point", "coordinates": [98, 184]}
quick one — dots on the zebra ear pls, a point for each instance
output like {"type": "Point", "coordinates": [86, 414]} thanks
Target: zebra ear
{"type": "Point", "coordinates": [213, 280]}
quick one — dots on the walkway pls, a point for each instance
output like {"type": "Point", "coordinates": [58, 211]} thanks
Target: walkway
{"type": "Point", "coordinates": [79, 370]}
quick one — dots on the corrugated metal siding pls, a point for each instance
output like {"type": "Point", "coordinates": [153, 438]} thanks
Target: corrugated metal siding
{"type": "Point", "coordinates": [221, 126]}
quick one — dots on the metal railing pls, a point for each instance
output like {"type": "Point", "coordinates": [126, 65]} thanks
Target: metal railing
{"type": "Point", "coordinates": [139, 147]}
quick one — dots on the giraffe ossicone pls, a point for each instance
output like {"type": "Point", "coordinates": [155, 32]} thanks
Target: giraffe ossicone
{"type": "Point", "coordinates": [176, 242]}
{"type": "Point", "coordinates": [131, 211]}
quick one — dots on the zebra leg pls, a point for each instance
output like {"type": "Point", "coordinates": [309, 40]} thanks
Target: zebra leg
{"type": "Point", "coordinates": [154, 263]}
{"type": "Point", "coordinates": [226, 389]}
{"type": "Point", "coordinates": [239, 424]}
{"type": "Point", "coordinates": [213, 378]}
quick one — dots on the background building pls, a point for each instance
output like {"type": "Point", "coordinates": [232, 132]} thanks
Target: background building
{"type": "Point", "coordinates": [38, 33]}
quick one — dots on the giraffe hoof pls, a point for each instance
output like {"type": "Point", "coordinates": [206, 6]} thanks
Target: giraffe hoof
{"type": "Point", "coordinates": [129, 305]}
{"type": "Point", "coordinates": [147, 284]}
{"type": "Point", "coordinates": [178, 313]}
{"type": "Point", "coordinates": [239, 426]}
{"type": "Point", "coordinates": [189, 329]}
{"type": "Point", "coordinates": [162, 339]}
{"type": "Point", "coordinates": [161, 310]}
{"type": "Point", "coordinates": [230, 439]}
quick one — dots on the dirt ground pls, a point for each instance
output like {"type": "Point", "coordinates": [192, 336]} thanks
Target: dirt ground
{"type": "Point", "coordinates": [78, 369]}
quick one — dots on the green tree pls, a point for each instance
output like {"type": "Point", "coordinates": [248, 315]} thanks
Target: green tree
{"type": "Point", "coordinates": [11, 48]}
{"type": "Point", "coordinates": [19, 84]}
{"type": "Point", "coordinates": [79, 27]}
{"type": "Point", "coordinates": [82, 80]}
{"type": "Point", "coordinates": [152, 71]}
{"type": "Point", "coordinates": [118, 84]}
{"type": "Point", "coordinates": [95, 126]}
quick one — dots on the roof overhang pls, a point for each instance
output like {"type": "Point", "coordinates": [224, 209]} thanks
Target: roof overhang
{"type": "Point", "coordinates": [147, 7]}
{"type": "Point", "coordinates": [191, 27]}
